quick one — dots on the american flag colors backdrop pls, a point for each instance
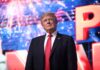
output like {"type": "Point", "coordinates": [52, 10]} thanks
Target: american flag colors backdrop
{"type": "Point", "coordinates": [20, 22]}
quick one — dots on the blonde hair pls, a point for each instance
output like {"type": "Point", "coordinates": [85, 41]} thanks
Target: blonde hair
{"type": "Point", "coordinates": [49, 14]}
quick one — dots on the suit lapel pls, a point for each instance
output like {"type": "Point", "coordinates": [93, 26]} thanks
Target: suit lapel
{"type": "Point", "coordinates": [56, 43]}
{"type": "Point", "coordinates": [41, 44]}
{"type": "Point", "coordinates": [40, 51]}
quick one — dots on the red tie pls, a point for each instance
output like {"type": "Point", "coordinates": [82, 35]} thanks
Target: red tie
{"type": "Point", "coordinates": [47, 53]}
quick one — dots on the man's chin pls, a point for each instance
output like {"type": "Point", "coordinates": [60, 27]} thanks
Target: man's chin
{"type": "Point", "coordinates": [50, 30]}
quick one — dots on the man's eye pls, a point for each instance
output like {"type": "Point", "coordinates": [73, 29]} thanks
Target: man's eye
{"type": "Point", "coordinates": [45, 20]}
{"type": "Point", "coordinates": [51, 19]}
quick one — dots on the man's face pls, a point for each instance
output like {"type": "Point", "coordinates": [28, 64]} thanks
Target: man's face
{"type": "Point", "coordinates": [49, 23]}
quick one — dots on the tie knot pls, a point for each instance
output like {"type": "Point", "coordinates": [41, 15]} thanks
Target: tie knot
{"type": "Point", "coordinates": [50, 35]}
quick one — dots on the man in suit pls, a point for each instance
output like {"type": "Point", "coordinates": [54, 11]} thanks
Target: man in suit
{"type": "Point", "coordinates": [62, 53]}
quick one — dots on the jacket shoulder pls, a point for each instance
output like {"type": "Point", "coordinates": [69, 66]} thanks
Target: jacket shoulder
{"type": "Point", "coordinates": [65, 36]}
{"type": "Point", "coordinates": [38, 37]}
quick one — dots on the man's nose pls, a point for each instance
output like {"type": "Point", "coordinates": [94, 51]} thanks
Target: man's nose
{"type": "Point", "coordinates": [48, 22]}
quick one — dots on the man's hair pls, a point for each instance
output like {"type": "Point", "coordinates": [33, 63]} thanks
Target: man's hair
{"type": "Point", "coordinates": [49, 14]}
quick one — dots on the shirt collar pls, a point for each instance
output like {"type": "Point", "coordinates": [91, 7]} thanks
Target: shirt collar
{"type": "Point", "coordinates": [53, 34]}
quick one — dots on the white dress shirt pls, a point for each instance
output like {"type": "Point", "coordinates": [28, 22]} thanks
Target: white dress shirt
{"type": "Point", "coordinates": [54, 34]}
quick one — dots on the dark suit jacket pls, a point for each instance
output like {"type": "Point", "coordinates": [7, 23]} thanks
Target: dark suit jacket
{"type": "Point", "coordinates": [63, 54]}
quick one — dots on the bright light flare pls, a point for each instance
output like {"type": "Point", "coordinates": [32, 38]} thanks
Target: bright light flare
{"type": "Point", "coordinates": [14, 8]}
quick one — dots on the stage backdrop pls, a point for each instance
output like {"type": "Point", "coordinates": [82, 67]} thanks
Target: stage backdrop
{"type": "Point", "coordinates": [20, 22]}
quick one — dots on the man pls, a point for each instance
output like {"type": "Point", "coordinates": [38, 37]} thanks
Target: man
{"type": "Point", "coordinates": [60, 54]}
